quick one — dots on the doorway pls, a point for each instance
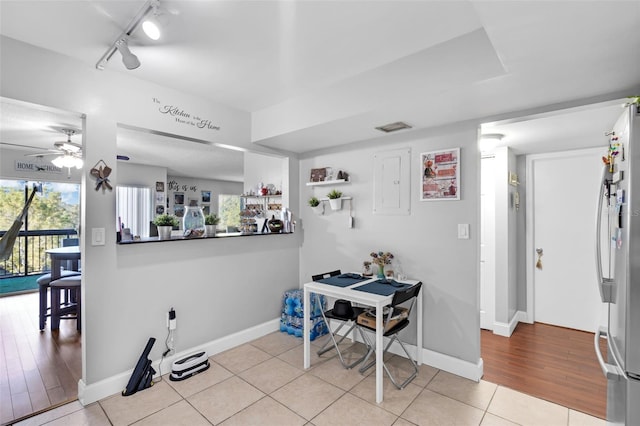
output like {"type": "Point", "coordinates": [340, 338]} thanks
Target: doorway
{"type": "Point", "coordinates": [562, 288]}
{"type": "Point", "coordinates": [39, 370]}
{"type": "Point", "coordinates": [487, 243]}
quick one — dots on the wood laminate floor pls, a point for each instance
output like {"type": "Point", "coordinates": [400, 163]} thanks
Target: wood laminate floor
{"type": "Point", "coordinates": [38, 370]}
{"type": "Point", "coordinates": [553, 363]}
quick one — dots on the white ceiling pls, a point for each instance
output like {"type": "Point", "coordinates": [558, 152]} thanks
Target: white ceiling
{"type": "Point", "coordinates": [317, 74]}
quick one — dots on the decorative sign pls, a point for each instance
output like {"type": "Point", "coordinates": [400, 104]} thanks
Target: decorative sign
{"type": "Point", "coordinates": [101, 173]}
{"type": "Point", "coordinates": [183, 117]}
{"type": "Point", "coordinates": [36, 166]}
{"type": "Point", "coordinates": [175, 186]}
{"type": "Point", "coordinates": [318, 175]}
{"type": "Point", "coordinates": [440, 175]}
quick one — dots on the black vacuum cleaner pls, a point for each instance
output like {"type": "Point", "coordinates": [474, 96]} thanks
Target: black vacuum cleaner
{"type": "Point", "coordinates": [143, 372]}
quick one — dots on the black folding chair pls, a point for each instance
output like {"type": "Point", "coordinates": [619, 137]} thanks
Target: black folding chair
{"type": "Point", "coordinates": [345, 313]}
{"type": "Point", "coordinates": [406, 297]}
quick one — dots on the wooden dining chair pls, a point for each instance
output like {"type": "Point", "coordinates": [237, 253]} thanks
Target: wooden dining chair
{"type": "Point", "coordinates": [402, 299]}
{"type": "Point", "coordinates": [43, 290]}
{"type": "Point", "coordinates": [70, 311]}
{"type": "Point", "coordinates": [346, 315]}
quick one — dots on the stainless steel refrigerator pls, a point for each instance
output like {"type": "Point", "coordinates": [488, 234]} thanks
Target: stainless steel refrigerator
{"type": "Point", "coordinates": [618, 266]}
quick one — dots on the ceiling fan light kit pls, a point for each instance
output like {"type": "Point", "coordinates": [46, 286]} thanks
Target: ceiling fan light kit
{"type": "Point", "coordinates": [69, 154]}
{"type": "Point", "coordinates": [68, 161]}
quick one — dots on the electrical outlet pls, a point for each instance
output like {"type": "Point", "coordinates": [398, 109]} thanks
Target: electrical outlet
{"type": "Point", "coordinates": [171, 319]}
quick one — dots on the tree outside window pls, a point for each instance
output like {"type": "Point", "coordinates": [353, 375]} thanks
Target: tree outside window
{"type": "Point", "coordinates": [229, 210]}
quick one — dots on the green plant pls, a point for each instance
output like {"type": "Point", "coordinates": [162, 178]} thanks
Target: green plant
{"type": "Point", "coordinates": [333, 195]}
{"type": "Point", "coordinates": [633, 100]}
{"type": "Point", "coordinates": [314, 202]}
{"type": "Point", "coordinates": [211, 219]}
{"type": "Point", "coordinates": [166, 220]}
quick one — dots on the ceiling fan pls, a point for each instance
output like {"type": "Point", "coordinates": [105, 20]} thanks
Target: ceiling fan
{"type": "Point", "coordinates": [69, 154]}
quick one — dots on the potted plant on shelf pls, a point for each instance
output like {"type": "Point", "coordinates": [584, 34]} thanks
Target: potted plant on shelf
{"type": "Point", "coordinates": [335, 199]}
{"type": "Point", "coordinates": [165, 223]}
{"type": "Point", "coordinates": [210, 222]}
{"type": "Point", "coordinates": [316, 206]}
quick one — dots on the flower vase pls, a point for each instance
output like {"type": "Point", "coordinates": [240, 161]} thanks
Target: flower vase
{"type": "Point", "coordinates": [380, 271]}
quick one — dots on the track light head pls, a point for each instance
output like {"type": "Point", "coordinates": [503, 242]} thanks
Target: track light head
{"type": "Point", "coordinates": [151, 28]}
{"type": "Point", "coordinates": [129, 60]}
{"type": "Point", "coordinates": [151, 24]}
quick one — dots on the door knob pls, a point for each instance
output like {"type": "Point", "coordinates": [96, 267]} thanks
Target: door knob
{"type": "Point", "coordinates": [539, 261]}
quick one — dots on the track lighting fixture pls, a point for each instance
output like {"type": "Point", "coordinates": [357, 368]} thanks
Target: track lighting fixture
{"type": "Point", "coordinates": [147, 16]}
{"type": "Point", "coordinates": [150, 24]}
{"type": "Point", "coordinates": [129, 60]}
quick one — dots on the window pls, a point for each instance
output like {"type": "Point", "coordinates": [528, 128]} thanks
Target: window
{"type": "Point", "coordinates": [56, 207]}
{"type": "Point", "coordinates": [229, 211]}
{"type": "Point", "coordinates": [133, 208]}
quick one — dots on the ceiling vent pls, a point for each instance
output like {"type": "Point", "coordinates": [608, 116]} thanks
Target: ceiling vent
{"type": "Point", "coordinates": [398, 125]}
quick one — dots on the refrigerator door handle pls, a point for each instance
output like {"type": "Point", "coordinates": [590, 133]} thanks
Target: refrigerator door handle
{"type": "Point", "coordinates": [610, 371]}
{"type": "Point", "coordinates": [605, 285]}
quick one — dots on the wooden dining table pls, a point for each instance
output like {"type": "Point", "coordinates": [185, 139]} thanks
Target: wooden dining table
{"type": "Point", "coordinates": [59, 256]}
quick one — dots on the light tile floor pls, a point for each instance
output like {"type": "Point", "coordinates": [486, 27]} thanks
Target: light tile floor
{"type": "Point", "coordinates": [263, 383]}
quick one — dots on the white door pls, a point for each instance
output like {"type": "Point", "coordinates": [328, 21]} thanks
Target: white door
{"type": "Point", "coordinates": [565, 189]}
{"type": "Point", "coordinates": [487, 244]}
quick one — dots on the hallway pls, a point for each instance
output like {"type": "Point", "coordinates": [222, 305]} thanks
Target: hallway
{"type": "Point", "coordinates": [553, 363]}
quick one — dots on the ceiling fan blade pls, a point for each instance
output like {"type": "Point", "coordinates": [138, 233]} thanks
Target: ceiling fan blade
{"type": "Point", "coordinates": [43, 154]}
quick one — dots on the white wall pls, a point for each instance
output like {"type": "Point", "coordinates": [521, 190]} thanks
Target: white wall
{"type": "Point", "coordinates": [506, 241]}
{"type": "Point", "coordinates": [128, 289]}
{"type": "Point", "coordinates": [425, 242]}
{"type": "Point", "coordinates": [140, 175]}
{"type": "Point", "coordinates": [264, 169]}
{"type": "Point", "coordinates": [8, 158]}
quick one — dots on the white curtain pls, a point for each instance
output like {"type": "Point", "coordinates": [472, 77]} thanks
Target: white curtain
{"type": "Point", "coordinates": [133, 207]}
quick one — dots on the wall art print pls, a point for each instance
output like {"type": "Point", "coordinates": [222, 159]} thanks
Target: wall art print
{"type": "Point", "coordinates": [440, 175]}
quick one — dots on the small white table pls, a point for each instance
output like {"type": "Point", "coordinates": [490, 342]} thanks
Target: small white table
{"type": "Point", "coordinates": [368, 299]}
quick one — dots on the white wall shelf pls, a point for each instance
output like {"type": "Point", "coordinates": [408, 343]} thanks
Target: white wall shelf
{"type": "Point", "coordinates": [328, 182]}
{"type": "Point", "coordinates": [327, 199]}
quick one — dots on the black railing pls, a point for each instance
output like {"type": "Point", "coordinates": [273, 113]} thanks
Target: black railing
{"type": "Point", "coordinates": [29, 252]}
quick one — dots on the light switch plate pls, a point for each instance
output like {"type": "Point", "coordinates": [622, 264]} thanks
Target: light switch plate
{"type": "Point", "coordinates": [97, 236]}
{"type": "Point", "coordinates": [463, 231]}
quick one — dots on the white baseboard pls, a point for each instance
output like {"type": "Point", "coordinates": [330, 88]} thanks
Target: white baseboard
{"type": "Point", "coordinates": [504, 329]}
{"type": "Point", "coordinates": [448, 363]}
{"type": "Point", "coordinates": [88, 394]}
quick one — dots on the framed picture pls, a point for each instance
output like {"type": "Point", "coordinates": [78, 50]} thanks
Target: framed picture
{"type": "Point", "coordinates": [159, 197]}
{"type": "Point", "coordinates": [440, 175]}
{"type": "Point", "coordinates": [178, 198]}
{"type": "Point", "coordinates": [178, 211]}
{"type": "Point", "coordinates": [318, 175]}
{"type": "Point", "coordinates": [159, 186]}
{"type": "Point", "coordinates": [159, 209]}
{"type": "Point", "coordinates": [205, 209]}
{"type": "Point", "coordinates": [206, 196]}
